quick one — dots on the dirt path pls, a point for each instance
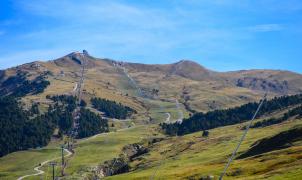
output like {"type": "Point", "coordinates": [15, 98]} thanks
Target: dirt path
{"type": "Point", "coordinates": [180, 113]}
{"type": "Point", "coordinates": [168, 118]}
{"type": "Point", "coordinates": [105, 134]}
{"type": "Point", "coordinates": [39, 172]}
{"type": "Point", "coordinates": [37, 169]}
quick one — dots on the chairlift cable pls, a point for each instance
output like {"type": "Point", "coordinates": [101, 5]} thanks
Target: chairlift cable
{"type": "Point", "coordinates": [242, 137]}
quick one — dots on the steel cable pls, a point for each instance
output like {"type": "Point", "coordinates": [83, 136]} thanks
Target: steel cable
{"type": "Point", "coordinates": [242, 138]}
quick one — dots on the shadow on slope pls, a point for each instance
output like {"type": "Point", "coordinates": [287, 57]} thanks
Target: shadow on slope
{"type": "Point", "coordinates": [280, 141]}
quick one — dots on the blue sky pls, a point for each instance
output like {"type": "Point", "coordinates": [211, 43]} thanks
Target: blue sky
{"type": "Point", "coordinates": [221, 35]}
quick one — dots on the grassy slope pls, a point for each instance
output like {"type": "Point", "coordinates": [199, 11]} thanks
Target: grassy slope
{"type": "Point", "coordinates": [203, 95]}
{"type": "Point", "coordinates": [94, 151]}
{"type": "Point", "coordinates": [20, 163]}
{"type": "Point", "coordinates": [96, 84]}
{"type": "Point", "coordinates": [189, 155]}
{"type": "Point", "coordinates": [207, 156]}
{"type": "Point", "coordinates": [89, 152]}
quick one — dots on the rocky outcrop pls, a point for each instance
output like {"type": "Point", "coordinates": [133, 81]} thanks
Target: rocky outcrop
{"type": "Point", "coordinates": [134, 150]}
{"type": "Point", "coordinates": [121, 164]}
{"type": "Point", "coordinates": [263, 84]}
{"type": "Point", "coordinates": [115, 166]}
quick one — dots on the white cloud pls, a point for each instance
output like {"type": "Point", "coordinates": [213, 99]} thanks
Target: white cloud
{"type": "Point", "coordinates": [266, 28]}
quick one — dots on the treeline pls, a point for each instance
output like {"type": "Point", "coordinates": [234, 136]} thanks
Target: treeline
{"type": "Point", "coordinates": [19, 85]}
{"type": "Point", "coordinates": [111, 108]}
{"type": "Point", "coordinates": [203, 121]}
{"type": "Point", "coordinates": [21, 129]}
{"type": "Point", "coordinates": [271, 121]}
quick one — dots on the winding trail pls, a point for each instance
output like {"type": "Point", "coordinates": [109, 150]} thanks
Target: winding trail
{"type": "Point", "coordinates": [168, 118]}
{"type": "Point", "coordinates": [39, 171]}
{"type": "Point", "coordinates": [75, 87]}
{"type": "Point", "coordinates": [180, 113]}
{"type": "Point", "coordinates": [179, 120]}
{"type": "Point", "coordinates": [107, 133]}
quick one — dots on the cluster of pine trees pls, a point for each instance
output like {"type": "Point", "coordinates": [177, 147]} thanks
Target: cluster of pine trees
{"type": "Point", "coordinates": [62, 112]}
{"type": "Point", "coordinates": [22, 129]}
{"type": "Point", "coordinates": [91, 124]}
{"type": "Point", "coordinates": [68, 102]}
{"type": "Point", "coordinates": [19, 85]}
{"type": "Point", "coordinates": [203, 121]}
{"type": "Point", "coordinates": [111, 108]}
{"type": "Point", "coordinates": [19, 131]}
{"type": "Point", "coordinates": [271, 121]}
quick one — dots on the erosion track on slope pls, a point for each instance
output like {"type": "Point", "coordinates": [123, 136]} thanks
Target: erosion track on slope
{"type": "Point", "coordinates": [131, 80]}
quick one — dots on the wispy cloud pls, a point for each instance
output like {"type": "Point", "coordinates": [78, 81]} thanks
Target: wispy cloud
{"type": "Point", "coordinates": [266, 27]}
{"type": "Point", "coordinates": [146, 31]}
{"type": "Point", "coordinates": [108, 12]}
{"type": "Point", "coordinates": [21, 57]}
{"type": "Point", "coordinates": [117, 29]}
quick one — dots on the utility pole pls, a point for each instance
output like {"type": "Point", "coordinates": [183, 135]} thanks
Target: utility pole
{"type": "Point", "coordinates": [53, 164]}
{"type": "Point", "coordinates": [63, 163]}
{"type": "Point", "coordinates": [62, 148]}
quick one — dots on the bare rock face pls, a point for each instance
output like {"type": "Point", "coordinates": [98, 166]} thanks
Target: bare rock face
{"type": "Point", "coordinates": [275, 81]}
{"type": "Point", "coordinates": [263, 84]}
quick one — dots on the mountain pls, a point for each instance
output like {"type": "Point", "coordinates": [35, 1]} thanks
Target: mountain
{"type": "Point", "coordinates": [202, 89]}
{"type": "Point", "coordinates": [196, 87]}
{"type": "Point", "coordinates": [183, 95]}
{"type": "Point", "coordinates": [277, 81]}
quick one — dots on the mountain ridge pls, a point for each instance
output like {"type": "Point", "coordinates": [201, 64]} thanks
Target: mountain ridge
{"type": "Point", "coordinates": [191, 63]}
{"type": "Point", "coordinates": [195, 86]}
